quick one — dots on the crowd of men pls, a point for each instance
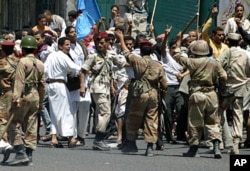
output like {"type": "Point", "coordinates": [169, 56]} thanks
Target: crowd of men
{"type": "Point", "coordinates": [191, 88]}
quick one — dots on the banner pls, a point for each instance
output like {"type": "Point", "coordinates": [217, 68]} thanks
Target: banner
{"type": "Point", "coordinates": [226, 10]}
{"type": "Point", "coordinates": [90, 14]}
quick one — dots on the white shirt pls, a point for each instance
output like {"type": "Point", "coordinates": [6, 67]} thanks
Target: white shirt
{"type": "Point", "coordinates": [58, 64]}
{"type": "Point", "coordinates": [231, 26]}
{"type": "Point", "coordinates": [77, 55]}
{"type": "Point", "coordinates": [171, 68]}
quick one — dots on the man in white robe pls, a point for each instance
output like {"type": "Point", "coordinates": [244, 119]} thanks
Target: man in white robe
{"type": "Point", "coordinates": [80, 102]}
{"type": "Point", "coordinates": [57, 65]}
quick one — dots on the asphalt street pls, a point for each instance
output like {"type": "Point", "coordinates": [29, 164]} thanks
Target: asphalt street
{"type": "Point", "coordinates": [84, 158]}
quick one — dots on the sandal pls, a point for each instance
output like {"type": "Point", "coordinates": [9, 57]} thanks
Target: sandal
{"type": "Point", "coordinates": [46, 137]}
{"type": "Point", "coordinates": [58, 145]}
{"type": "Point", "coordinates": [76, 143]}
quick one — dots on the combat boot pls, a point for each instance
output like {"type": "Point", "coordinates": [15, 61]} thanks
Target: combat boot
{"type": "Point", "coordinates": [21, 157]}
{"type": "Point", "coordinates": [130, 147]}
{"type": "Point", "coordinates": [149, 150]}
{"type": "Point", "coordinates": [235, 149]}
{"type": "Point", "coordinates": [99, 144]}
{"type": "Point", "coordinates": [29, 154]}
{"type": "Point", "coordinates": [192, 152]}
{"type": "Point", "coordinates": [217, 153]}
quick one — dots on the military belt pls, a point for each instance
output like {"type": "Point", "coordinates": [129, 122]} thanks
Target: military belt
{"type": "Point", "coordinates": [49, 81]}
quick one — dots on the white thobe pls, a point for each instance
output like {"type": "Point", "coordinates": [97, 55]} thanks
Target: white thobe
{"type": "Point", "coordinates": [80, 104]}
{"type": "Point", "coordinates": [57, 65]}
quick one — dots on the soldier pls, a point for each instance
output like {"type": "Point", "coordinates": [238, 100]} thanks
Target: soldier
{"type": "Point", "coordinates": [27, 99]}
{"type": "Point", "coordinates": [7, 68]}
{"type": "Point", "coordinates": [99, 64]}
{"type": "Point", "coordinates": [149, 78]}
{"type": "Point", "coordinates": [203, 101]}
{"type": "Point", "coordinates": [236, 62]}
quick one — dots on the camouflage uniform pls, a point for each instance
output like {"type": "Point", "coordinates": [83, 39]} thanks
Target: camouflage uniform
{"type": "Point", "coordinates": [144, 104]}
{"type": "Point", "coordinates": [203, 100]}
{"type": "Point", "coordinates": [28, 92]}
{"type": "Point", "coordinates": [238, 71]}
{"type": "Point", "coordinates": [99, 83]}
{"type": "Point", "coordinates": [7, 69]}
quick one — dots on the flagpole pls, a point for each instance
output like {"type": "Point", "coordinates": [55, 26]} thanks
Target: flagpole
{"type": "Point", "coordinates": [198, 16]}
{"type": "Point", "coordinates": [153, 14]}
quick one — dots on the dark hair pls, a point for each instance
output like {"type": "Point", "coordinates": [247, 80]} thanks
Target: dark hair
{"type": "Point", "coordinates": [72, 14]}
{"type": "Point", "coordinates": [18, 35]}
{"type": "Point", "coordinates": [121, 28]}
{"type": "Point", "coordinates": [111, 36]}
{"type": "Point", "coordinates": [146, 50]}
{"type": "Point", "coordinates": [40, 16]}
{"type": "Point", "coordinates": [239, 5]}
{"type": "Point", "coordinates": [115, 6]}
{"type": "Point", "coordinates": [48, 40]}
{"type": "Point", "coordinates": [47, 12]}
{"type": "Point", "coordinates": [28, 50]}
{"type": "Point", "coordinates": [233, 42]}
{"type": "Point", "coordinates": [8, 50]}
{"type": "Point", "coordinates": [138, 38]}
{"type": "Point", "coordinates": [172, 42]}
{"type": "Point", "coordinates": [129, 38]}
{"type": "Point", "coordinates": [67, 30]}
{"type": "Point", "coordinates": [216, 29]}
{"type": "Point", "coordinates": [62, 40]}
{"type": "Point", "coordinates": [57, 30]}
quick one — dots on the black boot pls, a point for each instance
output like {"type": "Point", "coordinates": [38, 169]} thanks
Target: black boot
{"type": "Point", "coordinates": [99, 144]}
{"type": "Point", "coordinates": [149, 150]}
{"type": "Point", "coordinates": [192, 152]}
{"type": "Point", "coordinates": [130, 147]}
{"type": "Point", "coordinates": [217, 153]}
{"type": "Point", "coordinates": [20, 158]}
{"type": "Point", "coordinates": [29, 154]}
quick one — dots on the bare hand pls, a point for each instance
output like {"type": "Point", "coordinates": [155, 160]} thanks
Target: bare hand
{"type": "Point", "coordinates": [179, 77]}
{"type": "Point", "coordinates": [168, 30]}
{"type": "Point", "coordinates": [214, 11]}
{"type": "Point", "coordinates": [237, 20]}
{"type": "Point", "coordinates": [151, 28]}
{"type": "Point", "coordinates": [102, 20]}
{"type": "Point", "coordinates": [113, 91]}
{"type": "Point", "coordinates": [130, 23]}
{"type": "Point", "coordinates": [119, 34]}
{"type": "Point", "coordinates": [82, 91]}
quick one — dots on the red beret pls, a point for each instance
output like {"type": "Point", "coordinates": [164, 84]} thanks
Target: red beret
{"type": "Point", "coordinates": [145, 43]}
{"type": "Point", "coordinates": [102, 35]}
{"type": "Point", "coordinates": [7, 43]}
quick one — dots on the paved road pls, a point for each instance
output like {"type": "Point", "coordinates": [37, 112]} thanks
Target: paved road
{"type": "Point", "coordinates": [85, 159]}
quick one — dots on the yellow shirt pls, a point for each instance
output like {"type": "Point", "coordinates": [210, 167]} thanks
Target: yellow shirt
{"type": "Point", "coordinates": [217, 48]}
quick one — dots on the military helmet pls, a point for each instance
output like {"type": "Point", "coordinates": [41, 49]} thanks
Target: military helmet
{"type": "Point", "coordinates": [28, 42]}
{"type": "Point", "coordinates": [200, 47]}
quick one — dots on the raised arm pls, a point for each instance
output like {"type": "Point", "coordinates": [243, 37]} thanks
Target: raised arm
{"type": "Point", "coordinates": [204, 32]}
{"type": "Point", "coordinates": [164, 42]}
{"type": "Point", "coordinates": [243, 33]}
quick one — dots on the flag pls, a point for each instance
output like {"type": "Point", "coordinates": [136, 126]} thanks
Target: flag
{"type": "Point", "coordinates": [86, 20]}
